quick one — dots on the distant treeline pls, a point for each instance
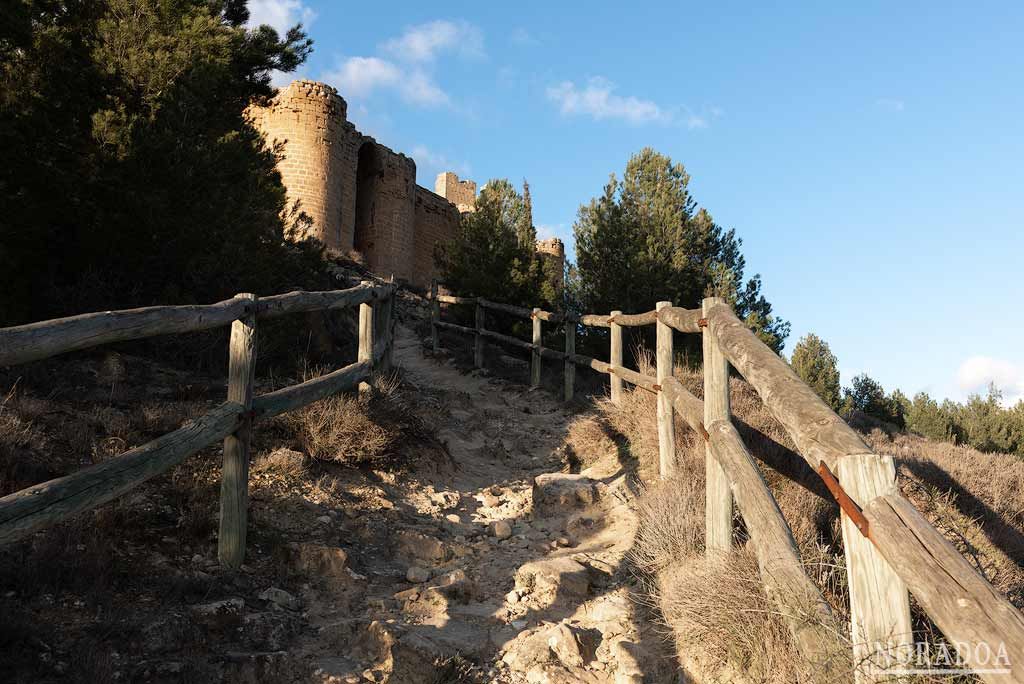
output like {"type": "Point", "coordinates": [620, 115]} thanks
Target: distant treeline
{"type": "Point", "coordinates": [980, 422]}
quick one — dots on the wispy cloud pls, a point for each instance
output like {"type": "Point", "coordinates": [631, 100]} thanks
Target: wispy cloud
{"type": "Point", "coordinates": [407, 66]}
{"type": "Point", "coordinates": [280, 14]}
{"type": "Point", "coordinates": [977, 372]}
{"type": "Point", "coordinates": [598, 100]}
{"type": "Point", "coordinates": [429, 163]}
{"type": "Point", "coordinates": [890, 104]}
{"type": "Point", "coordinates": [359, 77]}
{"type": "Point", "coordinates": [523, 38]}
{"type": "Point", "coordinates": [424, 42]}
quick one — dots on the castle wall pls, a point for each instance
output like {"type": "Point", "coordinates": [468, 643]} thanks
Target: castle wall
{"type": "Point", "coordinates": [385, 227]}
{"type": "Point", "coordinates": [362, 196]}
{"type": "Point", "coordinates": [437, 221]}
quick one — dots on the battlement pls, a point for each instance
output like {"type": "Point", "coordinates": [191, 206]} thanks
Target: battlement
{"type": "Point", "coordinates": [461, 193]}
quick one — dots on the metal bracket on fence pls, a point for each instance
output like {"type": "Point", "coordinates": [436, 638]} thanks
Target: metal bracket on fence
{"type": "Point", "coordinates": [702, 323]}
{"type": "Point", "coordinates": [703, 432]}
{"type": "Point", "coordinates": [848, 505]}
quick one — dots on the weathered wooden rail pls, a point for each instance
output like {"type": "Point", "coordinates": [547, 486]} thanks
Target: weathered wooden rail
{"type": "Point", "coordinates": [889, 546]}
{"type": "Point", "coordinates": [42, 505]}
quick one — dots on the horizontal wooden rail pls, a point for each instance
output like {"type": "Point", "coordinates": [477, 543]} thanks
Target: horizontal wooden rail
{"type": "Point", "coordinates": [301, 301]}
{"type": "Point", "coordinates": [633, 320]}
{"type": "Point", "coordinates": [595, 320]}
{"type": "Point", "coordinates": [683, 320]}
{"type": "Point", "coordinates": [290, 398]}
{"type": "Point", "coordinates": [521, 311]}
{"type": "Point", "coordinates": [967, 609]}
{"type": "Point", "coordinates": [505, 339]}
{"type": "Point", "coordinates": [819, 434]}
{"type": "Point", "coordinates": [451, 299]}
{"type": "Point", "coordinates": [41, 505]}
{"type": "Point", "coordinates": [35, 341]}
{"type": "Point", "coordinates": [41, 340]}
{"type": "Point", "coordinates": [456, 327]}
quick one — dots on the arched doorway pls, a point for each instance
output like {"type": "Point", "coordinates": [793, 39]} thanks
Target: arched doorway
{"type": "Point", "coordinates": [368, 172]}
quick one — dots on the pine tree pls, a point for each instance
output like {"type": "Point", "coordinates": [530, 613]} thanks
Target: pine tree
{"type": "Point", "coordinates": [645, 240]}
{"type": "Point", "coordinates": [131, 175]}
{"type": "Point", "coordinates": [816, 365]}
{"type": "Point", "coordinates": [494, 255]}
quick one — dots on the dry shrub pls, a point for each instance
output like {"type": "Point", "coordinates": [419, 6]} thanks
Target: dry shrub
{"type": "Point", "coordinates": [671, 520]}
{"type": "Point", "coordinates": [352, 429]}
{"type": "Point", "coordinates": [341, 429]}
{"type": "Point", "coordinates": [283, 463]}
{"type": "Point", "coordinates": [721, 617]}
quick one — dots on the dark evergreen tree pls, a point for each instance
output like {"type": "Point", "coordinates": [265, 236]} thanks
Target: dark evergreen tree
{"type": "Point", "coordinates": [131, 175]}
{"type": "Point", "coordinates": [816, 365]}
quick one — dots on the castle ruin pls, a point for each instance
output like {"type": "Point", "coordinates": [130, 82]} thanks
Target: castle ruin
{"type": "Point", "coordinates": [362, 197]}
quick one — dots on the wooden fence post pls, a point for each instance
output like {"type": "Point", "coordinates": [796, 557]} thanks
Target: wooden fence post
{"type": "Point", "coordinates": [570, 366]}
{"type": "Point", "coordinates": [666, 418]}
{"type": "Point", "coordinates": [718, 493]}
{"type": "Point", "coordinates": [365, 340]}
{"type": "Point", "coordinates": [388, 329]}
{"type": "Point", "coordinates": [478, 339]}
{"type": "Point", "coordinates": [234, 482]}
{"type": "Point", "coordinates": [535, 365]}
{"type": "Point", "coordinates": [435, 315]}
{"type": "Point", "coordinates": [879, 604]}
{"type": "Point", "coordinates": [615, 358]}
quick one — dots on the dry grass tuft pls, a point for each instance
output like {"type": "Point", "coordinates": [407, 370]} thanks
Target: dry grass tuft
{"type": "Point", "coordinates": [352, 429]}
{"type": "Point", "coordinates": [719, 614]}
{"type": "Point", "coordinates": [342, 429]}
{"type": "Point", "coordinates": [718, 609]}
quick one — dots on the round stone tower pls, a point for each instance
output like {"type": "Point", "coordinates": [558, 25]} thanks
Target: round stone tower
{"type": "Point", "coordinates": [309, 118]}
{"type": "Point", "coordinates": [552, 251]}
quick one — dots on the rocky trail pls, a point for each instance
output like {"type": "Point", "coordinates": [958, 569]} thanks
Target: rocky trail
{"type": "Point", "coordinates": [502, 567]}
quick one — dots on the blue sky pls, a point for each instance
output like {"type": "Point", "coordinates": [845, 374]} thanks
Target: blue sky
{"type": "Point", "coordinates": [869, 154]}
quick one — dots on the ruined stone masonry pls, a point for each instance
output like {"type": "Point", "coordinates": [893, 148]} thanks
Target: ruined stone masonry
{"type": "Point", "coordinates": [362, 196]}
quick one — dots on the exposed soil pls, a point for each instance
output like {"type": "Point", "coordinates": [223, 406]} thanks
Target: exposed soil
{"type": "Point", "coordinates": [472, 554]}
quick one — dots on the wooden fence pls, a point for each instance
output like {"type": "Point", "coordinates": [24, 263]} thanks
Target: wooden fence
{"type": "Point", "coordinates": [889, 546]}
{"type": "Point", "coordinates": [41, 505]}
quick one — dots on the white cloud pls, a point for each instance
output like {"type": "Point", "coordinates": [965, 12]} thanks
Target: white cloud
{"type": "Point", "coordinates": [890, 104]}
{"type": "Point", "coordinates": [407, 66]}
{"type": "Point", "coordinates": [977, 372]}
{"type": "Point", "coordinates": [423, 43]}
{"type": "Point", "coordinates": [598, 101]}
{"type": "Point", "coordinates": [430, 163]}
{"type": "Point", "coordinates": [358, 77]}
{"type": "Point", "coordinates": [281, 14]}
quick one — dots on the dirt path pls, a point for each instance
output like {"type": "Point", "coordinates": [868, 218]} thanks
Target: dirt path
{"type": "Point", "coordinates": [500, 568]}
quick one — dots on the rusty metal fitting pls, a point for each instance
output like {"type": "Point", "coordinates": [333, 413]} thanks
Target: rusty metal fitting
{"type": "Point", "coordinates": [848, 505]}
{"type": "Point", "coordinates": [704, 433]}
{"type": "Point", "coordinates": [702, 323]}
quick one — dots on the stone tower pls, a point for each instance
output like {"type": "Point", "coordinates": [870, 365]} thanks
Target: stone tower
{"type": "Point", "coordinates": [552, 251]}
{"type": "Point", "coordinates": [461, 193]}
{"type": "Point", "coordinates": [360, 195]}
